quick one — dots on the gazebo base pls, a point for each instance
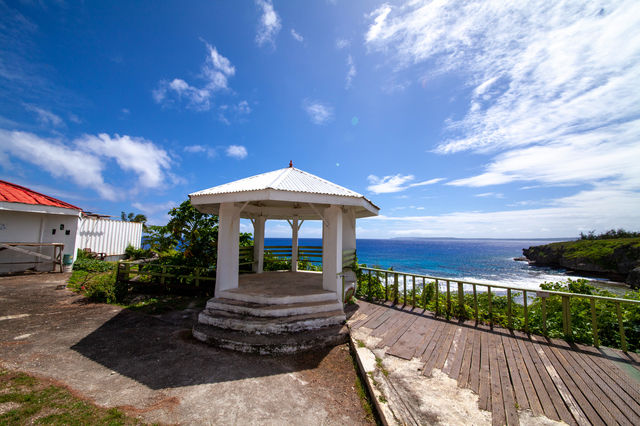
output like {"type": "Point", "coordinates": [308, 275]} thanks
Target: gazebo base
{"type": "Point", "coordinates": [273, 313]}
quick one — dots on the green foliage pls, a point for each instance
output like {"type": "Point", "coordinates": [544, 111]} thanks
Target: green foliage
{"type": "Point", "coordinates": [195, 232]}
{"type": "Point", "coordinates": [609, 235]}
{"type": "Point", "coordinates": [133, 253]}
{"type": "Point", "coordinates": [85, 263]}
{"type": "Point", "coordinates": [597, 251]}
{"type": "Point", "coordinates": [99, 287]}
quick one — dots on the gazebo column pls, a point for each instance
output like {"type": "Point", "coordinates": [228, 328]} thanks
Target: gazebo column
{"type": "Point", "coordinates": [258, 244]}
{"type": "Point", "coordinates": [295, 227]}
{"type": "Point", "coordinates": [332, 250]}
{"type": "Point", "coordinates": [348, 230]}
{"type": "Point", "coordinates": [228, 247]}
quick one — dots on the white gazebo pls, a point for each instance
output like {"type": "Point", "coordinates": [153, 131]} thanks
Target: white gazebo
{"type": "Point", "coordinates": [286, 194]}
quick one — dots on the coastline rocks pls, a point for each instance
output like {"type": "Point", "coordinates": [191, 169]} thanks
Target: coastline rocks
{"type": "Point", "coordinates": [633, 279]}
{"type": "Point", "coordinates": [616, 260]}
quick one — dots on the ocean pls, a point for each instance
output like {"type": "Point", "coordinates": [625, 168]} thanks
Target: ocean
{"type": "Point", "coordinates": [477, 260]}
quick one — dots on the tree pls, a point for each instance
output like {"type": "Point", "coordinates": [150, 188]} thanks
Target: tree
{"type": "Point", "coordinates": [131, 217]}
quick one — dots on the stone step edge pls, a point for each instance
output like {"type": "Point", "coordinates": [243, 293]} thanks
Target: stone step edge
{"type": "Point", "coordinates": [261, 325]}
{"type": "Point", "coordinates": [278, 300]}
{"type": "Point", "coordinates": [231, 340]}
{"type": "Point", "coordinates": [273, 310]}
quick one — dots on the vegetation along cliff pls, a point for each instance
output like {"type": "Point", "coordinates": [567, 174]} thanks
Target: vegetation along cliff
{"type": "Point", "coordinates": [613, 254]}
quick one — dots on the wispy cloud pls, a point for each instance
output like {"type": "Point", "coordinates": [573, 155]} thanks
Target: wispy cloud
{"type": "Point", "coordinates": [351, 71]}
{"type": "Point", "coordinates": [197, 149]}
{"type": "Point", "coordinates": [296, 36]}
{"type": "Point", "coordinates": [45, 117]}
{"type": "Point", "coordinates": [269, 25]}
{"type": "Point", "coordinates": [238, 152]}
{"type": "Point", "coordinates": [490, 195]}
{"type": "Point", "coordinates": [395, 183]}
{"type": "Point", "coordinates": [157, 213]}
{"type": "Point", "coordinates": [84, 159]}
{"type": "Point", "coordinates": [342, 43]}
{"type": "Point", "coordinates": [216, 72]}
{"type": "Point", "coordinates": [320, 113]}
{"type": "Point", "coordinates": [549, 87]}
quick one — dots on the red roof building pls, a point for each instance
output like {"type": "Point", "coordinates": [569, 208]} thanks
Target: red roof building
{"type": "Point", "coordinates": [12, 193]}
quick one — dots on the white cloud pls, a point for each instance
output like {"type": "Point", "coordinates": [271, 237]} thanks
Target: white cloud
{"type": "Point", "coordinates": [236, 151]}
{"type": "Point", "coordinates": [320, 113]}
{"type": "Point", "coordinates": [342, 43]}
{"type": "Point", "coordinates": [388, 184]}
{"type": "Point", "coordinates": [395, 183]}
{"type": "Point", "coordinates": [85, 159]}
{"type": "Point", "coordinates": [296, 36]}
{"type": "Point", "coordinates": [195, 149]}
{"type": "Point", "coordinates": [215, 75]}
{"type": "Point", "coordinates": [550, 87]}
{"type": "Point", "coordinates": [490, 195]}
{"type": "Point", "coordinates": [243, 107]}
{"type": "Point", "coordinates": [45, 117]}
{"type": "Point", "coordinates": [351, 71]}
{"type": "Point", "coordinates": [269, 25]}
{"type": "Point", "coordinates": [157, 213]}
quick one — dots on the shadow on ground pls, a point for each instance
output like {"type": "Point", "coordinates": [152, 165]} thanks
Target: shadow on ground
{"type": "Point", "coordinates": [161, 354]}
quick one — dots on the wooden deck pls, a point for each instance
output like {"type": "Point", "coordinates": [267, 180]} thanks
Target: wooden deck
{"type": "Point", "coordinates": [511, 370]}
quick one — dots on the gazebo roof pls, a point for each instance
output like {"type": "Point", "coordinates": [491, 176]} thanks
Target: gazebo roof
{"type": "Point", "coordinates": [281, 194]}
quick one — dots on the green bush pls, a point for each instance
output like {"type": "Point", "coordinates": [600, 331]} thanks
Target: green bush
{"type": "Point", "coordinates": [133, 253]}
{"type": "Point", "coordinates": [85, 263]}
{"type": "Point", "coordinates": [98, 286]}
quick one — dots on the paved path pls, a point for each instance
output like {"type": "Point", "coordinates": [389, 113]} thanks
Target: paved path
{"type": "Point", "coordinates": [511, 371]}
{"type": "Point", "coordinates": [152, 368]}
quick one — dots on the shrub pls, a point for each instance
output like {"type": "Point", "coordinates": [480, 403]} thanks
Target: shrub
{"type": "Point", "coordinates": [134, 254]}
{"type": "Point", "coordinates": [98, 286]}
{"type": "Point", "coordinates": [85, 263]}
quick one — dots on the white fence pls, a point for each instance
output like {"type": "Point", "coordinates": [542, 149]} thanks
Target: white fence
{"type": "Point", "coordinates": [108, 236]}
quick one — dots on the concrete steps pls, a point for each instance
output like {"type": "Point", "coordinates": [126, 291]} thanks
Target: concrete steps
{"type": "Point", "coordinates": [271, 344]}
{"type": "Point", "coordinates": [318, 296]}
{"type": "Point", "coordinates": [272, 310]}
{"type": "Point", "coordinates": [274, 328]}
{"type": "Point", "coordinates": [270, 325]}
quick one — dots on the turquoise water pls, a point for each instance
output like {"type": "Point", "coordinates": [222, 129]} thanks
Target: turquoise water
{"type": "Point", "coordinates": [478, 260]}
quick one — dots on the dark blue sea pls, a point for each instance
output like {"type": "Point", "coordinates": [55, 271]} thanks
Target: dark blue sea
{"type": "Point", "coordinates": [479, 260]}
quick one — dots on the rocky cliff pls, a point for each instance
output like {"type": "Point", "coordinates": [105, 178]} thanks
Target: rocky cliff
{"type": "Point", "coordinates": [617, 259]}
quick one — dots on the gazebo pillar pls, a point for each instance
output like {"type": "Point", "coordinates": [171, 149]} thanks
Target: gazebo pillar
{"type": "Point", "coordinates": [294, 243]}
{"type": "Point", "coordinates": [348, 230]}
{"type": "Point", "coordinates": [228, 248]}
{"type": "Point", "coordinates": [332, 250]}
{"type": "Point", "coordinates": [258, 244]}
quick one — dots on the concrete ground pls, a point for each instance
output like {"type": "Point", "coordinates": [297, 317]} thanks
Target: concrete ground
{"type": "Point", "coordinates": [152, 368]}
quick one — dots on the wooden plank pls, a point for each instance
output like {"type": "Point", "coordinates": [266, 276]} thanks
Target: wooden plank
{"type": "Point", "coordinates": [398, 330]}
{"type": "Point", "coordinates": [578, 404]}
{"type": "Point", "coordinates": [547, 406]}
{"type": "Point", "coordinates": [407, 344]}
{"type": "Point", "coordinates": [368, 316]}
{"type": "Point", "coordinates": [388, 324]}
{"type": "Point", "coordinates": [498, 415]}
{"type": "Point", "coordinates": [484, 401]}
{"type": "Point", "coordinates": [605, 388]}
{"type": "Point", "coordinates": [430, 356]}
{"type": "Point", "coordinates": [376, 320]}
{"type": "Point", "coordinates": [508, 396]}
{"type": "Point", "coordinates": [25, 251]}
{"type": "Point", "coordinates": [608, 413]}
{"type": "Point", "coordinates": [454, 360]}
{"type": "Point", "coordinates": [442, 350]}
{"type": "Point", "coordinates": [430, 335]}
{"type": "Point", "coordinates": [512, 366]}
{"type": "Point", "coordinates": [523, 372]}
{"type": "Point", "coordinates": [546, 371]}
{"type": "Point", "coordinates": [474, 371]}
{"type": "Point", "coordinates": [465, 366]}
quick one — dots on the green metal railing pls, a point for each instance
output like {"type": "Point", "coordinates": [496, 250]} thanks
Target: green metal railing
{"type": "Point", "coordinates": [442, 286]}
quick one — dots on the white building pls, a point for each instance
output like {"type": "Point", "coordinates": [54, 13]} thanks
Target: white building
{"type": "Point", "coordinates": [27, 216]}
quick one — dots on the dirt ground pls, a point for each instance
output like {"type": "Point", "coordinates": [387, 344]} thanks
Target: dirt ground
{"type": "Point", "coordinates": [151, 367]}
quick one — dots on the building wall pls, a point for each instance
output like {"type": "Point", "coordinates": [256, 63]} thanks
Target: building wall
{"type": "Point", "coordinates": [32, 227]}
{"type": "Point", "coordinates": [108, 236]}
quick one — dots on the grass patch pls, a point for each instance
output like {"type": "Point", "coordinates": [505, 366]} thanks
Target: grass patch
{"type": "Point", "coordinates": [31, 400]}
{"type": "Point", "coordinates": [360, 343]}
{"type": "Point", "coordinates": [381, 367]}
{"type": "Point", "coordinates": [363, 392]}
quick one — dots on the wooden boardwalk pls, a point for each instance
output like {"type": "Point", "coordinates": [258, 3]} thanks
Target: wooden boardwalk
{"type": "Point", "coordinates": [511, 370]}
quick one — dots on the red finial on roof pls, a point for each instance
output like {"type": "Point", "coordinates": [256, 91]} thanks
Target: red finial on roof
{"type": "Point", "coordinates": [290, 163]}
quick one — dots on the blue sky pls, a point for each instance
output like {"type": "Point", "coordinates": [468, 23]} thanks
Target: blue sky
{"type": "Point", "coordinates": [457, 118]}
